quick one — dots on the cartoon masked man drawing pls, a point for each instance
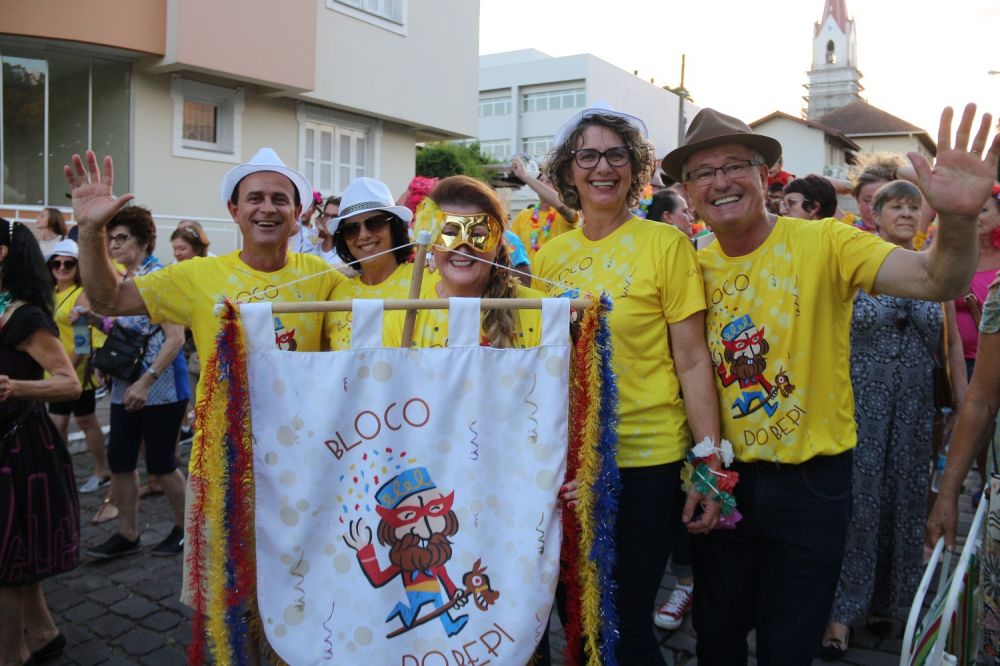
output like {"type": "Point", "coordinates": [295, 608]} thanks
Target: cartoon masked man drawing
{"type": "Point", "coordinates": [416, 521]}
{"type": "Point", "coordinates": [745, 351]}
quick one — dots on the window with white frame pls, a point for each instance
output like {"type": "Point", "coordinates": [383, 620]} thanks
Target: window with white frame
{"type": "Point", "coordinates": [335, 148]}
{"type": "Point", "coordinates": [494, 106]}
{"type": "Point", "coordinates": [537, 146]}
{"type": "Point", "coordinates": [498, 150]}
{"type": "Point", "coordinates": [388, 14]}
{"type": "Point", "coordinates": [554, 100]}
{"type": "Point", "coordinates": [208, 120]}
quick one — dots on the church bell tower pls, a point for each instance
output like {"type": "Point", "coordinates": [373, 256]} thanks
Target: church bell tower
{"type": "Point", "coordinates": [834, 79]}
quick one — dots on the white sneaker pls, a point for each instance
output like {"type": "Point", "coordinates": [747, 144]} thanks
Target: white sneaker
{"type": "Point", "coordinates": [671, 613]}
{"type": "Point", "coordinates": [93, 483]}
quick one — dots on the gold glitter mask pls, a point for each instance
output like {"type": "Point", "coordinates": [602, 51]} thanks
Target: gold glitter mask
{"type": "Point", "coordinates": [481, 231]}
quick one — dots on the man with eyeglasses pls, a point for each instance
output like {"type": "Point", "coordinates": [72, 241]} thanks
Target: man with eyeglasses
{"type": "Point", "coordinates": [795, 280]}
{"type": "Point", "coordinates": [264, 198]}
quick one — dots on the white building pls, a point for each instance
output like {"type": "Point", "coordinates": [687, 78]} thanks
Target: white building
{"type": "Point", "coordinates": [525, 96]}
{"type": "Point", "coordinates": [808, 146]}
{"type": "Point", "coordinates": [178, 91]}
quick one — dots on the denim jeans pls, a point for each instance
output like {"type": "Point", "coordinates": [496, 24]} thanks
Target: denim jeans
{"type": "Point", "coordinates": [777, 571]}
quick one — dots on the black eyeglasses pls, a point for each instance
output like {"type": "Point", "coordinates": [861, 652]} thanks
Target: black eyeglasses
{"type": "Point", "coordinates": [372, 224]}
{"type": "Point", "coordinates": [59, 264]}
{"type": "Point", "coordinates": [588, 158]}
{"type": "Point", "coordinates": [120, 239]}
{"type": "Point", "coordinates": [732, 170]}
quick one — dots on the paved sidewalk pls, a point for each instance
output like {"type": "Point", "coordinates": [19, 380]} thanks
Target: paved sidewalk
{"type": "Point", "coordinates": [126, 611]}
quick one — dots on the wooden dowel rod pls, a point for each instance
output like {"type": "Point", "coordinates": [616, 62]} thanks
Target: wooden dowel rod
{"type": "Point", "coordinates": [421, 304]}
{"type": "Point", "coordinates": [417, 279]}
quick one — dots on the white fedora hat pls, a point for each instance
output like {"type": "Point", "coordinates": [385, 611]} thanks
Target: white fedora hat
{"type": "Point", "coordinates": [265, 159]}
{"type": "Point", "coordinates": [66, 248]}
{"type": "Point", "coordinates": [364, 195]}
{"type": "Point", "coordinates": [600, 108]}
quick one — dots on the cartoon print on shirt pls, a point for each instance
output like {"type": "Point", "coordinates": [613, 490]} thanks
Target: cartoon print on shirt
{"type": "Point", "coordinates": [744, 361]}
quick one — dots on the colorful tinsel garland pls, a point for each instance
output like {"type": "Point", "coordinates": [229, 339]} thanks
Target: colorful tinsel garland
{"type": "Point", "coordinates": [589, 531]}
{"type": "Point", "coordinates": [221, 564]}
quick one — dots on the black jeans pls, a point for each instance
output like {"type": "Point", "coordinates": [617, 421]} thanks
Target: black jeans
{"type": "Point", "coordinates": [642, 536]}
{"type": "Point", "coordinates": [645, 508]}
{"type": "Point", "coordinates": [777, 571]}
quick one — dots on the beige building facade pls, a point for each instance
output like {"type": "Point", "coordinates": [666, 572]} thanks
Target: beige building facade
{"type": "Point", "coordinates": [178, 91]}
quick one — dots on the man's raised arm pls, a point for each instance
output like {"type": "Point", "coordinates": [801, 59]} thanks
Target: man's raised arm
{"type": "Point", "coordinates": [956, 187]}
{"type": "Point", "coordinates": [93, 205]}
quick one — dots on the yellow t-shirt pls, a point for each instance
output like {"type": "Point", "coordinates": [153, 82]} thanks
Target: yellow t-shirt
{"type": "Point", "coordinates": [651, 273]}
{"type": "Point", "coordinates": [65, 300]}
{"type": "Point", "coordinates": [186, 293]}
{"type": "Point", "coordinates": [338, 324]}
{"type": "Point", "coordinates": [535, 233]}
{"type": "Point", "coordinates": [431, 327]}
{"type": "Point", "coordinates": [778, 329]}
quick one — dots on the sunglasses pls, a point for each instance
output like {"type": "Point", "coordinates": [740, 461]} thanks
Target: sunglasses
{"type": "Point", "coordinates": [372, 224]}
{"type": "Point", "coordinates": [481, 231]}
{"type": "Point", "coordinates": [59, 264]}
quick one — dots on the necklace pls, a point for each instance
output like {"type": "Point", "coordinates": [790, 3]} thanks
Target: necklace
{"type": "Point", "coordinates": [535, 231]}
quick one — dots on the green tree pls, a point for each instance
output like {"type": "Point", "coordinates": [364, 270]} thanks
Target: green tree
{"type": "Point", "coordinates": [443, 159]}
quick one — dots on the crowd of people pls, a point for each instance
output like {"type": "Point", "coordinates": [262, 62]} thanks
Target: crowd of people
{"type": "Point", "coordinates": [749, 312]}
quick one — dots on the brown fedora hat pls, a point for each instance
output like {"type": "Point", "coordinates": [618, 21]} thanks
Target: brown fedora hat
{"type": "Point", "coordinates": [710, 128]}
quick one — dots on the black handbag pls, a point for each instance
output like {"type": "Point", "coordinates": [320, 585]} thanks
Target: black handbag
{"type": "Point", "coordinates": [122, 353]}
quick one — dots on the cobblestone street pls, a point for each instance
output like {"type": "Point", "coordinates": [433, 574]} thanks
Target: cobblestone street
{"type": "Point", "coordinates": [126, 611]}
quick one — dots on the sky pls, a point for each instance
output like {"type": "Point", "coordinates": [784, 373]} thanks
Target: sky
{"type": "Point", "coordinates": [750, 58]}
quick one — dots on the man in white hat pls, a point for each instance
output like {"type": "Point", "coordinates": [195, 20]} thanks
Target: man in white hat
{"type": "Point", "coordinates": [264, 198]}
{"type": "Point", "coordinates": [780, 295]}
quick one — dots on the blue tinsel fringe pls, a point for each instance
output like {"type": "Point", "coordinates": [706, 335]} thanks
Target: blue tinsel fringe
{"type": "Point", "coordinates": [606, 491]}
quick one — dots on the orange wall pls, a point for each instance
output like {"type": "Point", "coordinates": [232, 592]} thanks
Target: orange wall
{"type": "Point", "coordinates": [137, 25]}
{"type": "Point", "coordinates": [270, 42]}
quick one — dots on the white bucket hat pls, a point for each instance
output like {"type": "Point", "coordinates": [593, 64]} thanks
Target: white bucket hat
{"type": "Point", "coordinates": [364, 195]}
{"type": "Point", "coordinates": [600, 108]}
{"type": "Point", "coordinates": [265, 159]}
{"type": "Point", "coordinates": [65, 248]}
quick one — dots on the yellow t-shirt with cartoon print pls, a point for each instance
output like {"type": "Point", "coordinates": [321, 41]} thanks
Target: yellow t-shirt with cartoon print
{"type": "Point", "coordinates": [778, 328]}
{"type": "Point", "coordinates": [651, 273]}
{"type": "Point", "coordinates": [535, 233]}
{"type": "Point", "coordinates": [186, 293]}
{"type": "Point", "coordinates": [431, 326]}
{"type": "Point", "coordinates": [338, 324]}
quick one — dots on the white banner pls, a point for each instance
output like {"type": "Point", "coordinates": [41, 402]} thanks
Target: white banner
{"type": "Point", "coordinates": [406, 499]}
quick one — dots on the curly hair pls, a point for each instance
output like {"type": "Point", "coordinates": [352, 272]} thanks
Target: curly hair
{"type": "Point", "coordinates": [23, 273]}
{"type": "Point", "coordinates": [642, 157]}
{"type": "Point", "coordinates": [139, 221]}
{"type": "Point", "coordinates": [874, 168]}
{"type": "Point", "coordinates": [500, 325]}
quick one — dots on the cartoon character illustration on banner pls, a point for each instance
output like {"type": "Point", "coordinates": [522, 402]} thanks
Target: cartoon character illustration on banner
{"type": "Point", "coordinates": [285, 340]}
{"type": "Point", "coordinates": [416, 521]}
{"type": "Point", "coordinates": [745, 355]}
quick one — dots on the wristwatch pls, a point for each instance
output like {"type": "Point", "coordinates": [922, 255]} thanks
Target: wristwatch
{"type": "Point", "coordinates": [150, 371]}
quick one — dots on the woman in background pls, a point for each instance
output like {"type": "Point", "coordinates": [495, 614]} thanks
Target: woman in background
{"type": "Point", "coordinates": [71, 304]}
